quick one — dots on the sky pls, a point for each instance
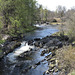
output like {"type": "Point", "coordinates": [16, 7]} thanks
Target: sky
{"type": "Point", "coordinates": [52, 4]}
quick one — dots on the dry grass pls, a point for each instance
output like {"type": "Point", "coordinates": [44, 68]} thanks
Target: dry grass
{"type": "Point", "coordinates": [72, 73]}
{"type": "Point", "coordinates": [55, 23]}
{"type": "Point", "coordinates": [66, 57]}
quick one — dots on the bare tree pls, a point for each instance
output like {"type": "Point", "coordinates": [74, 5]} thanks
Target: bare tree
{"type": "Point", "coordinates": [61, 11]}
{"type": "Point", "coordinates": [70, 23]}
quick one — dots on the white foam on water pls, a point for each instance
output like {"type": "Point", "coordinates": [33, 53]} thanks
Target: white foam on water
{"type": "Point", "coordinates": [37, 25]}
{"type": "Point", "coordinates": [23, 48]}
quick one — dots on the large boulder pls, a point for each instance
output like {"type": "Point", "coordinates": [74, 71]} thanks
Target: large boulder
{"type": "Point", "coordinates": [9, 47]}
{"type": "Point", "coordinates": [41, 44]}
{"type": "Point", "coordinates": [30, 42]}
{"type": "Point", "coordinates": [45, 40]}
{"type": "Point", "coordinates": [59, 44]}
{"type": "Point", "coordinates": [14, 38]}
{"type": "Point", "coordinates": [49, 43]}
{"type": "Point", "coordinates": [36, 43]}
{"type": "Point", "coordinates": [37, 39]}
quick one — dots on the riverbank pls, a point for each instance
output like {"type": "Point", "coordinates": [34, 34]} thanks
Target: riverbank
{"type": "Point", "coordinates": [47, 48]}
{"type": "Point", "coordinates": [62, 59]}
{"type": "Point", "coordinates": [66, 58]}
{"type": "Point", "coordinates": [50, 45]}
{"type": "Point", "coordinates": [9, 42]}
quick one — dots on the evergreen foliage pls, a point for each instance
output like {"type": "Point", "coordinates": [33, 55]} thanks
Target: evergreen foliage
{"type": "Point", "coordinates": [16, 16]}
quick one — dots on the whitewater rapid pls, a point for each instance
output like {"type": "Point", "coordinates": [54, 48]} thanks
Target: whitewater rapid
{"type": "Point", "coordinates": [23, 48]}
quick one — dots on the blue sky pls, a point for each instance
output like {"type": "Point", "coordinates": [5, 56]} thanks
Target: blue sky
{"type": "Point", "coordinates": [52, 4]}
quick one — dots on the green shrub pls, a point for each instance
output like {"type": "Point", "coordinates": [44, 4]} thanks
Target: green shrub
{"type": "Point", "coordinates": [2, 41]}
{"type": "Point", "coordinates": [72, 73]}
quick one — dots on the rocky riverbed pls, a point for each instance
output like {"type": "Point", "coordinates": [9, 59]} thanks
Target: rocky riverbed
{"type": "Point", "coordinates": [40, 60]}
{"type": "Point", "coordinates": [49, 45]}
{"type": "Point", "coordinates": [9, 45]}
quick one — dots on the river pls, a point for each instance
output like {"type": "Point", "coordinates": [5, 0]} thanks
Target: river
{"type": "Point", "coordinates": [11, 65]}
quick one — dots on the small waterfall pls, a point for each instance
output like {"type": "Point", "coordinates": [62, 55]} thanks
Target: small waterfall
{"type": "Point", "coordinates": [23, 48]}
{"type": "Point", "coordinates": [37, 25]}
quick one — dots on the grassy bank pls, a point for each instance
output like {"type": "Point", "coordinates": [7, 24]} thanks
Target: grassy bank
{"type": "Point", "coordinates": [72, 73]}
{"type": "Point", "coordinates": [66, 57]}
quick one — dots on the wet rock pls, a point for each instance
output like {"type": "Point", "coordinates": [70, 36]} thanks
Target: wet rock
{"type": "Point", "coordinates": [30, 42]}
{"type": "Point", "coordinates": [49, 43]}
{"type": "Point", "coordinates": [45, 40]}
{"type": "Point", "coordinates": [47, 72]}
{"type": "Point", "coordinates": [19, 65]}
{"type": "Point", "coordinates": [59, 44]}
{"type": "Point", "coordinates": [56, 62]}
{"type": "Point", "coordinates": [56, 47]}
{"type": "Point", "coordinates": [38, 63]}
{"type": "Point", "coordinates": [26, 69]}
{"type": "Point", "coordinates": [52, 48]}
{"type": "Point", "coordinates": [1, 46]}
{"type": "Point", "coordinates": [1, 56]}
{"type": "Point", "coordinates": [12, 45]}
{"type": "Point", "coordinates": [64, 38]}
{"type": "Point", "coordinates": [36, 43]}
{"type": "Point", "coordinates": [6, 43]}
{"type": "Point", "coordinates": [52, 70]}
{"type": "Point", "coordinates": [14, 38]}
{"type": "Point", "coordinates": [73, 44]}
{"type": "Point", "coordinates": [53, 61]}
{"type": "Point", "coordinates": [43, 73]}
{"type": "Point", "coordinates": [36, 39]}
{"type": "Point", "coordinates": [21, 56]}
{"type": "Point", "coordinates": [25, 54]}
{"type": "Point", "coordinates": [48, 58]}
{"type": "Point", "coordinates": [9, 47]}
{"type": "Point", "coordinates": [34, 66]}
{"type": "Point", "coordinates": [43, 60]}
{"type": "Point", "coordinates": [41, 45]}
{"type": "Point", "coordinates": [51, 65]}
{"type": "Point", "coordinates": [52, 42]}
{"type": "Point", "coordinates": [48, 50]}
{"type": "Point", "coordinates": [55, 41]}
{"type": "Point", "coordinates": [43, 52]}
{"type": "Point", "coordinates": [53, 54]}
{"type": "Point", "coordinates": [45, 47]}
{"type": "Point", "coordinates": [56, 70]}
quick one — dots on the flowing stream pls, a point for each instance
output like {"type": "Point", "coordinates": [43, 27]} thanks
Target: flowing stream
{"type": "Point", "coordinates": [11, 65]}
